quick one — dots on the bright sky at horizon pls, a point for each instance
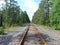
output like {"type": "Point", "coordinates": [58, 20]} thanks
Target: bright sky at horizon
{"type": "Point", "coordinates": [28, 5]}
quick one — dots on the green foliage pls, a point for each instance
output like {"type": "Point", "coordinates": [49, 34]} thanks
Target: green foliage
{"type": "Point", "coordinates": [1, 30]}
{"type": "Point", "coordinates": [55, 14]}
{"type": "Point", "coordinates": [13, 15]}
{"type": "Point", "coordinates": [48, 13]}
{"type": "Point", "coordinates": [25, 18]}
{"type": "Point", "coordinates": [41, 16]}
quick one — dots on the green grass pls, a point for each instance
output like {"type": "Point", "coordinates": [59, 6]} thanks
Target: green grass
{"type": "Point", "coordinates": [8, 29]}
{"type": "Point", "coordinates": [57, 28]}
{"type": "Point", "coordinates": [43, 26]}
{"type": "Point", "coordinates": [53, 27]}
{"type": "Point", "coordinates": [11, 28]}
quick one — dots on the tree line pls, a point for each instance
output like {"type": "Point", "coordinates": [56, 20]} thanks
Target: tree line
{"type": "Point", "coordinates": [48, 14]}
{"type": "Point", "coordinates": [12, 14]}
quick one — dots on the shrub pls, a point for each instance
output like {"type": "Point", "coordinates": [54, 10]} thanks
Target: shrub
{"type": "Point", "coordinates": [1, 30]}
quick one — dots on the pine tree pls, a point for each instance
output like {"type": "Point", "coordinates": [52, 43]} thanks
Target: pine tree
{"type": "Point", "coordinates": [55, 14]}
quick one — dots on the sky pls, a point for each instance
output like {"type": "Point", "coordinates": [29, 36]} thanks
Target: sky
{"type": "Point", "coordinates": [27, 5]}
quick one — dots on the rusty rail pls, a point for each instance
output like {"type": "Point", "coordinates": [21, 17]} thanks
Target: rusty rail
{"type": "Point", "coordinates": [43, 42]}
{"type": "Point", "coordinates": [24, 35]}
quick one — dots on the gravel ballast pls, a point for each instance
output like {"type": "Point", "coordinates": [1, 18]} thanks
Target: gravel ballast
{"type": "Point", "coordinates": [52, 37]}
{"type": "Point", "coordinates": [12, 38]}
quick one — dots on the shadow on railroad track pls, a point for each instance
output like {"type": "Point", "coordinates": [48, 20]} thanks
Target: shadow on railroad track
{"type": "Point", "coordinates": [36, 37]}
{"type": "Point", "coordinates": [46, 37]}
{"type": "Point", "coordinates": [8, 39]}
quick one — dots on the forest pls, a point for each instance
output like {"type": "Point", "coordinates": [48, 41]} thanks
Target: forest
{"type": "Point", "coordinates": [12, 15]}
{"type": "Point", "coordinates": [48, 14]}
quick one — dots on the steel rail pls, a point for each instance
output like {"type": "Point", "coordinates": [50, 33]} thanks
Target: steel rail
{"type": "Point", "coordinates": [43, 42]}
{"type": "Point", "coordinates": [24, 35]}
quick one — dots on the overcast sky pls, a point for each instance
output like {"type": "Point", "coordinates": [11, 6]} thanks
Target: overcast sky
{"type": "Point", "coordinates": [29, 5]}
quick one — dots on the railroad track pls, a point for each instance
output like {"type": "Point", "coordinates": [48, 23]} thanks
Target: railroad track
{"type": "Point", "coordinates": [31, 36]}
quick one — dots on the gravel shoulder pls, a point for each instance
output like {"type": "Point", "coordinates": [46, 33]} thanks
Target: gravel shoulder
{"type": "Point", "coordinates": [11, 38]}
{"type": "Point", "coordinates": [52, 37]}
